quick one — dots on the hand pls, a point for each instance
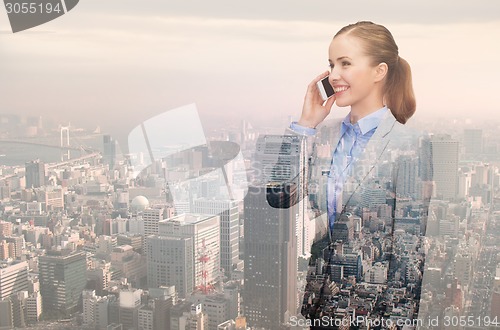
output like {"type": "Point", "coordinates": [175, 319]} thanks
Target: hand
{"type": "Point", "coordinates": [315, 110]}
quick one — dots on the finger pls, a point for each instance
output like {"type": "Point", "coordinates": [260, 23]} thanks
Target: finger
{"type": "Point", "coordinates": [321, 76]}
{"type": "Point", "coordinates": [318, 78]}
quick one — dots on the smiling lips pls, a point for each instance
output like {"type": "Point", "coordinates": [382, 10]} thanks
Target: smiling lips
{"type": "Point", "coordinates": [339, 89]}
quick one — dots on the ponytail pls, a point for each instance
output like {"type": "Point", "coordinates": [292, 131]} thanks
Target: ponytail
{"type": "Point", "coordinates": [399, 94]}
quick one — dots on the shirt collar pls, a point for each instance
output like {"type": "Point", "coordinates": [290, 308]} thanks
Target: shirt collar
{"type": "Point", "coordinates": [366, 123]}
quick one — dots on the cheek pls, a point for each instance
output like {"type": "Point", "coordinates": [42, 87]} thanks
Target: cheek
{"type": "Point", "coordinates": [353, 78]}
{"type": "Point", "coordinates": [361, 80]}
{"type": "Point", "coordinates": [358, 77]}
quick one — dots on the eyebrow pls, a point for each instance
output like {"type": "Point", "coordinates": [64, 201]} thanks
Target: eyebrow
{"type": "Point", "coordinates": [340, 58]}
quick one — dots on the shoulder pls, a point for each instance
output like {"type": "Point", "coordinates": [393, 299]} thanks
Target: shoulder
{"type": "Point", "coordinates": [400, 129]}
{"type": "Point", "coordinates": [404, 135]}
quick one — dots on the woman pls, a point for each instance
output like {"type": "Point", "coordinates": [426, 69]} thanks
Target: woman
{"type": "Point", "coordinates": [367, 74]}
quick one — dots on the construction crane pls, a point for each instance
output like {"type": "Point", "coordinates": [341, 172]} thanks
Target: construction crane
{"type": "Point", "coordinates": [204, 257]}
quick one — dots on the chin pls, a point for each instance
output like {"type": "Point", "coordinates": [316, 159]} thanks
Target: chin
{"type": "Point", "coordinates": [342, 103]}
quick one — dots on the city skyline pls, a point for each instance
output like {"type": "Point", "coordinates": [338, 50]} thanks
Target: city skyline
{"type": "Point", "coordinates": [185, 210]}
{"type": "Point", "coordinates": [140, 242]}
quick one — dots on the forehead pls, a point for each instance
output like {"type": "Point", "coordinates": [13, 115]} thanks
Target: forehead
{"type": "Point", "coordinates": [346, 46]}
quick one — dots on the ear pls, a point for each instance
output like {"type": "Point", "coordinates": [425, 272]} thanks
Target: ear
{"type": "Point", "coordinates": [380, 71]}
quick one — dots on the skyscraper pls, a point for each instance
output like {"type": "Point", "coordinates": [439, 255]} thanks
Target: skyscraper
{"type": "Point", "coordinates": [204, 232]}
{"type": "Point", "coordinates": [62, 280]}
{"type": "Point", "coordinates": [425, 159]}
{"type": "Point", "coordinates": [170, 261]}
{"type": "Point", "coordinates": [270, 290]}
{"type": "Point", "coordinates": [109, 154]}
{"type": "Point", "coordinates": [35, 174]}
{"type": "Point", "coordinates": [229, 228]}
{"type": "Point", "coordinates": [439, 163]}
{"type": "Point", "coordinates": [151, 219]}
{"type": "Point", "coordinates": [283, 158]}
{"type": "Point", "coordinates": [407, 176]}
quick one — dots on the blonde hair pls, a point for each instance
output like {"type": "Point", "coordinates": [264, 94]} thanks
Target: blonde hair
{"type": "Point", "coordinates": [379, 44]}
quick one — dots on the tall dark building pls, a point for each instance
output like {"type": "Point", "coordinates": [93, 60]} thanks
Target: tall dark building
{"type": "Point", "coordinates": [343, 229]}
{"type": "Point", "coordinates": [349, 264]}
{"type": "Point", "coordinates": [35, 174]}
{"type": "Point", "coordinates": [109, 154]}
{"type": "Point", "coordinates": [62, 280]}
{"type": "Point", "coordinates": [283, 158]}
{"type": "Point", "coordinates": [425, 172]}
{"type": "Point", "coordinates": [270, 290]}
{"type": "Point", "coordinates": [407, 176]}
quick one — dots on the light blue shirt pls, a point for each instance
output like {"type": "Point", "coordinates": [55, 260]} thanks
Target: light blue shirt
{"type": "Point", "coordinates": [353, 140]}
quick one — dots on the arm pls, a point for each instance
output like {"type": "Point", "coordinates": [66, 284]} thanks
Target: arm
{"type": "Point", "coordinates": [314, 111]}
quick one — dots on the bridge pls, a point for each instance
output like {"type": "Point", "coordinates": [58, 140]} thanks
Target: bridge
{"type": "Point", "coordinates": [65, 147]}
{"type": "Point", "coordinates": [36, 143]}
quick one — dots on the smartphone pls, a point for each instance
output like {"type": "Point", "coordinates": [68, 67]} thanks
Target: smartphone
{"type": "Point", "coordinates": [325, 89]}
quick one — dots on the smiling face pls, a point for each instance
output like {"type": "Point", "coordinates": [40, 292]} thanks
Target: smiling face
{"type": "Point", "coordinates": [356, 80]}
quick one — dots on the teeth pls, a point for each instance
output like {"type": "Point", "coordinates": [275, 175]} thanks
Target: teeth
{"type": "Point", "coordinates": [340, 89]}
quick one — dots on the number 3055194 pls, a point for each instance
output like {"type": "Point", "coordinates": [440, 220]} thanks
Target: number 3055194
{"type": "Point", "coordinates": [32, 8]}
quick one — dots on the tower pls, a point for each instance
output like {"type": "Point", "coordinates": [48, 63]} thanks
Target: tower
{"type": "Point", "coordinates": [109, 154]}
{"type": "Point", "coordinates": [270, 289]}
{"type": "Point", "coordinates": [203, 257]}
{"type": "Point", "coordinates": [65, 155]}
{"type": "Point", "coordinates": [283, 158]}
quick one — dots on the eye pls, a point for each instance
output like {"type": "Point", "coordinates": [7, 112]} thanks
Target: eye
{"type": "Point", "coordinates": [345, 63]}
{"type": "Point", "coordinates": [330, 65]}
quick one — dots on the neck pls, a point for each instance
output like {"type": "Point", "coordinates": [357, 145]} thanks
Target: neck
{"type": "Point", "coordinates": [366, 106]}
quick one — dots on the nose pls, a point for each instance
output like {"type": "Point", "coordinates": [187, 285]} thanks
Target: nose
{"type": "Point", "coordinates": [334, 75]}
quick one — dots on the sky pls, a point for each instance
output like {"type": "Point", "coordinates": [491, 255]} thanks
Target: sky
{"type": "Point", "coordinates": [117, 63]}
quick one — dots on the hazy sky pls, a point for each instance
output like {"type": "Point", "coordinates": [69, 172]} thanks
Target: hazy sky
{"type": "Point", "coordinates": [115, 63]}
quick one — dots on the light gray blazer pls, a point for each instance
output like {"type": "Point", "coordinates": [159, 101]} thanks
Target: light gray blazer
{"type": "Point", "coordinates": [375, 158]}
